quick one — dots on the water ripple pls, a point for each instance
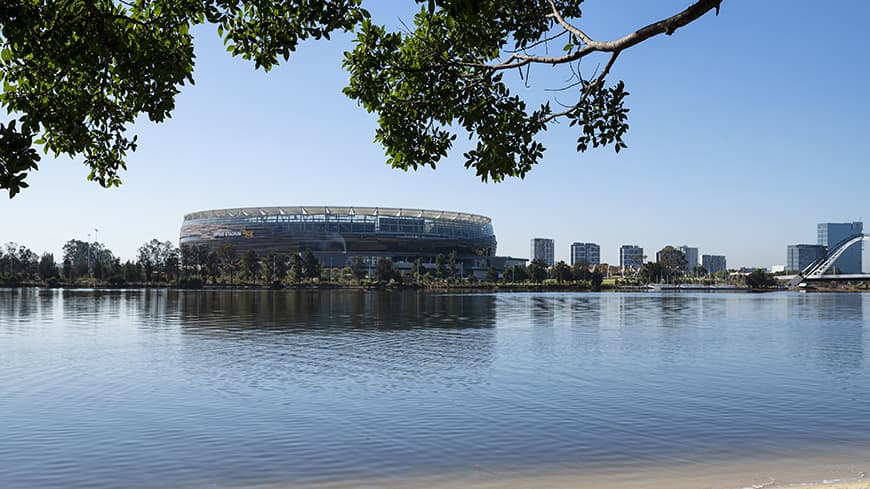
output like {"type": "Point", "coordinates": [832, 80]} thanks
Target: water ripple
{"type": "Point", "coordinates": [241, 388]}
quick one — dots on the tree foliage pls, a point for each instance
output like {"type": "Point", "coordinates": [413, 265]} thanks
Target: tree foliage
{"type": "Point", "coordinates": [442, 270]}
{"type": "Point", "coordinates": [491, 275]}
{"type": "Point", "coordinates": [562, 272]}
{"type": "Point", "coordinates": [596, 279]}
{"type": "Point", "coordinates": [580, 270]}
{"type": "Point", "coordinates": [250, 265]}
{"type": "Point", "coordinates": [275, 267]}
{"type": "Point", "coordinates": [384, 270]}
{"type": "Point", "coordinates": [760, 279]}
{"type": "Point", "coordinates": [47, 267]}
{"type": "Point", "coordinates": [358, 268]}
{"type": "Point", "coordinates": [673, 262]}
{"type": "Point", "coordinates": [519, 273]}
{"type": "Point", "coordinates": [83, 255]}
{"type": "Point", "coordinates": [227, 260]}
{"type": "Point", "coordinates": [310, 265]}
{"type": "Point", "coordinates": [445, 77]}
{"type": "Point", "coordinates": [159, 257]}
{"type": "Point", "coordinates": [296, 268]}
{"type": "Point", "coordinates": [537, 270]}
{"type": "Point", "coordinates": [77, 73]}
{"type": "Point", "coordinates": [18, 262]}
{"type": "Point", "coordinates": [652, 272]}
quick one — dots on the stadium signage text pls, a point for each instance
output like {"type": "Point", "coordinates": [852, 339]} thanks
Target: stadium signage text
{"type": "Point", "coordinates": [233, 234]}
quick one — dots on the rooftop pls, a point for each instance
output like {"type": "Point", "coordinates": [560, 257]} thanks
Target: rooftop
{"type": "Point", "coordinates": [338, 211]}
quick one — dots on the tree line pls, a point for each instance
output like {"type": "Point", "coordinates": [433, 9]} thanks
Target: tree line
{"type": "Point", "coordinates": [162, 263]}
{"type": "Point", "coordinates": [89, 262]}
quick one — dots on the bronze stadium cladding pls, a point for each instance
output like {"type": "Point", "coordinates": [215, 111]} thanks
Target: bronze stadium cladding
{"type": "Point", "coordinates": [367, 231]}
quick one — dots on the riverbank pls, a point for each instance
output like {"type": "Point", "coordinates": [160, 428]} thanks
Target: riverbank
{"type": "Point", "coordinates": [849, 473]}
{"type": "Point", "coordinates": [431, 287]}
{"type": "Point", "coordinates": [831, 468]}
{"type": "Point", "coordinates": [537, 484]}
{"type": "Point", "coordinates": [656, 480]}
{"type": "Point", "coordinates": [862, 484]}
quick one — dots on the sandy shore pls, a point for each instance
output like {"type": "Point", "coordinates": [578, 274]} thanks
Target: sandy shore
{"type": "Point", "coordinates": [862, 484]}
{"type": "Point", "coordinates": [572, 483]}
{"type": "Point", "coordinates": [829, 471]}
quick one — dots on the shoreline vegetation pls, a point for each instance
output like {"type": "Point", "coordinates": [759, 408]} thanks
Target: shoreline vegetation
{"type": "Point", "coordinates": [608, 286]}
{"type": "Point", "coordinates": [87, 264]}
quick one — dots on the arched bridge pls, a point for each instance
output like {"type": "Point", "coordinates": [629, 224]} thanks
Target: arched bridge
{"type": "Point", "coordinates": [818, 269]}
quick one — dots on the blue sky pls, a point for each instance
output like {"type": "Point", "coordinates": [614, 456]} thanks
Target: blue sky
{"type": "Point", "coordinates": [747, 129]}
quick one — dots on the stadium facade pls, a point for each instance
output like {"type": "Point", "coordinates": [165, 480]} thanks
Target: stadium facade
{"type": "Point", "coordinates": [337, 234]}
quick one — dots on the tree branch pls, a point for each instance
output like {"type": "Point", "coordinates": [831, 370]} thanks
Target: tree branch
{"type": "Point", "coordinates": [568, 27]}
{"type": "Point", "coordinates": [585, 91]}
{"type": "Point", "coordinates": [666, 26]}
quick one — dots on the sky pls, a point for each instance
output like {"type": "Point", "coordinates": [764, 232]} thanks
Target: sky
{"type": "Point", "coordinates": [747, 129]}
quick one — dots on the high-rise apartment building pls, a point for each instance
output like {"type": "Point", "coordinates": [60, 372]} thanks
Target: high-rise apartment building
{"type": "Point", "coordinates": [831, 233]}
{"type": "Point", "coordinates": [543, 249]}
{"type": "Point", "coordinates": [800, 256]}
{"type": "Point", "coordinates": [630, 257]}
{"type": "Point", "coordinates": [691, 255]}
{"type": "Point", "coordinates": [585, 253]}
{"type": "Point", "coordinates": [714, 263]}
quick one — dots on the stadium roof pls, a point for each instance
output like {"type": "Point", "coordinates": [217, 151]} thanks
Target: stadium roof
{"type": "Point", "coordinates": [338, 211]}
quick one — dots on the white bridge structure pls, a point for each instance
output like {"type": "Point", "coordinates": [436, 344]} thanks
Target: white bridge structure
{"type": "Point", "coordinates": [818, 269]}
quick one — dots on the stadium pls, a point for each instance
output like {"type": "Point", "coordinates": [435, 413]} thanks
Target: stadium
{"type": "Point", "coordinates": [337, 234]}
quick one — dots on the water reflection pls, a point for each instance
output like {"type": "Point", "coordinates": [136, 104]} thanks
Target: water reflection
{"type": "Point", "coordinates": [17, 305]}
{"type": "Point", "coordinates": [312, 388]}
{"type": "Point", "coordinates": [832, 327]}
{"type": "Point", "coordinates": [336, 310]}
{"type": "Point", "coordinates": [381, 341]}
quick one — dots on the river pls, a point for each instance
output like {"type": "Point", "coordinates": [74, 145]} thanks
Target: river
{"type": "Point", "coordinates": [350, 388]}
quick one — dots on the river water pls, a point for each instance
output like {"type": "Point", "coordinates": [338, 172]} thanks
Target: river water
{"type": "Point", "coordinates": [347, 388]}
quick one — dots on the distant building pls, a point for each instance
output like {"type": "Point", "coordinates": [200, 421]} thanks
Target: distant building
{"type": "Point", "coordinates": [777, 268]}
{"type": "Point", "coordinates": [585, 253]}
{"type": "Point", "coordinates": [630, 257]}
{"type": "Point", "coordinates": [832, 233]}
{"type": "Point", "coordinates": [714, 263]}
{"type": "Point", "coordinates": [691, 255]}
{"type": "Point", "coordinates": [506, 264]}
{"type": "Point", "coordinates": [800, 256]}
{"type": "Point", "coordinates": [543, 249]}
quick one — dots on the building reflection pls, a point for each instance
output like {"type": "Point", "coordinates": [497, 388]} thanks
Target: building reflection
{"type": "Point", "coordinates": [585, 313]}
{"type": "Point", "coordinates": [331, 310]}
{"type": "Point", "coordinates": [370, 335]}
{"type": "Point", "coordinates": [828, 329]}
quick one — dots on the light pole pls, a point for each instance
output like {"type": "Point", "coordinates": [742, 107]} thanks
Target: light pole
{"type": "Point", "coordinates": [97, 256]}
{"type": "Point", "coordinates": [89, 253]}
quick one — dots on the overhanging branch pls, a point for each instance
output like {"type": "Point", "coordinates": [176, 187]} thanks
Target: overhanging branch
{"type": "Point", "coordinates": [666, 26]}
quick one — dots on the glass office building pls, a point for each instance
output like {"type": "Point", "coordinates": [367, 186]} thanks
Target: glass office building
{"type": "Point", "coordinates": [589, 253]}
{"type": "Point", "coordinates": [630, 257]}
{"type": "Point", "coordinates": [800, 256]}
{"type": "Point", "coordinates": [691, 255]}
{"type": "Point", "coordinates": [714, 263]}
{"type": "Point", "coordinates": [832, 233]}
{"type": "Point", "coordinates": [543, 249]}
{"type": "Point", "coordinates": [337, 234]}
